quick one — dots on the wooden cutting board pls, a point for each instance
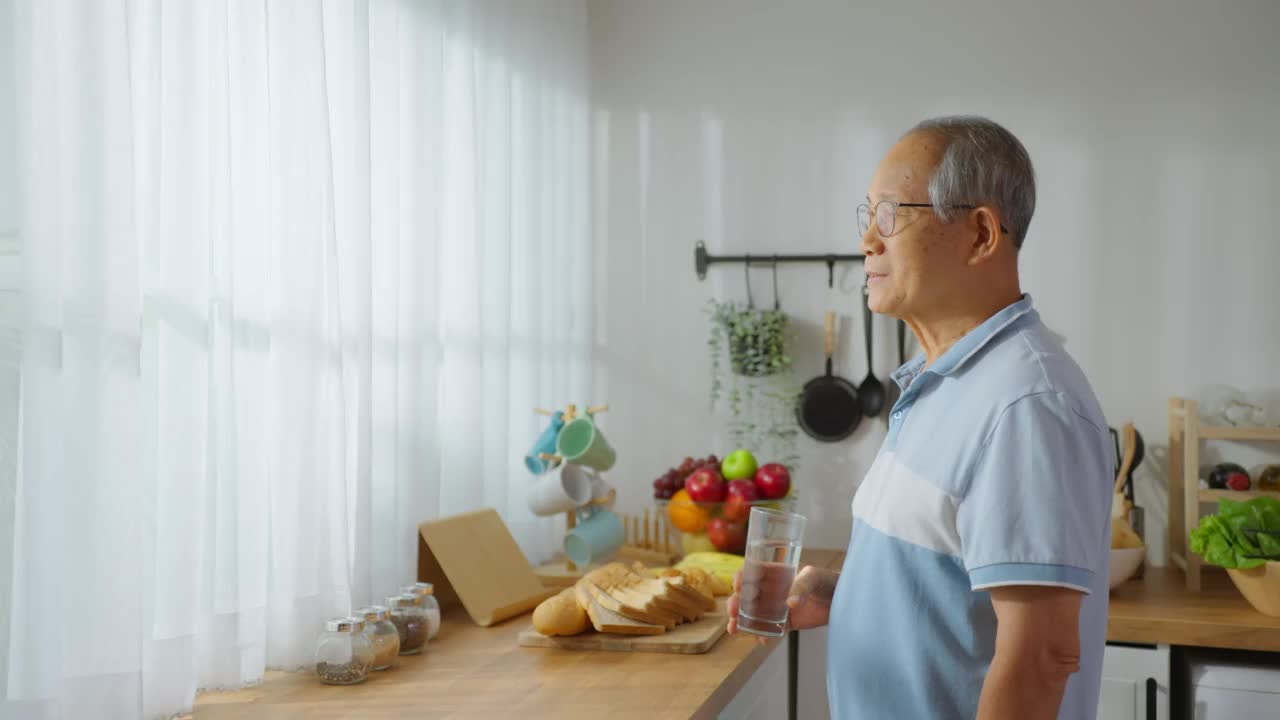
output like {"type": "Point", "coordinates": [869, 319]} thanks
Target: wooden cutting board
{"type": "Point", "coordinates": [690, 639]}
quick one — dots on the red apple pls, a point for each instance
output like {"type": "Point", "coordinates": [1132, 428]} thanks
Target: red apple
{"type": "Point", "coordinates": [737, 507]}
{"type": "Point", "coordinates": [705, 485]}
{"type": "Point", "coordinates": [773, 481]}
{"type": "Point", "coordinates": [729, 537]}
{"type": "Point", "coordinates": [746, 488]}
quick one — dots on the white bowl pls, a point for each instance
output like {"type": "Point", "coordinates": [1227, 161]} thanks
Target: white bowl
{"type": "Point", "coordinates": [1125, 562]}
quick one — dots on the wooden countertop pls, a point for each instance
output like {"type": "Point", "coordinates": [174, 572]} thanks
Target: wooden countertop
{"type": "Point", "coordinates": [474, 672]}
{"type": "Point", "coordinates": [1158, 609]}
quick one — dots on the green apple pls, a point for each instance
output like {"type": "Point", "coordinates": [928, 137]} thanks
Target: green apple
{"type": "Point", "coordinates": [738, 465]}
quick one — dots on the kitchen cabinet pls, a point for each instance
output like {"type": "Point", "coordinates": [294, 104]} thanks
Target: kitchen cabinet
{"type": "Point", "coordinates": [1133, 679]}
{"type": "Point", "coordinates": [1232, 686]}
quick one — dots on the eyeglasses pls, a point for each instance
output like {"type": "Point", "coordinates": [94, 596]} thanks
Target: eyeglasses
{"type": "Point", "coordinates": [886, 212]}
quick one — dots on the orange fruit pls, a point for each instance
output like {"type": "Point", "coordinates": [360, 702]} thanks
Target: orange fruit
{"type": "Point", "coordinates": [686, 515]}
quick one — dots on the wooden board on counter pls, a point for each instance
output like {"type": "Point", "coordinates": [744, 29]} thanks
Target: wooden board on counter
{"type": "Point", "coordinates": [693, 638]}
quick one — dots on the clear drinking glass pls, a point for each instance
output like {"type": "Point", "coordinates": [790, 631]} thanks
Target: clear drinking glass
{"type": "Point", "coordinates": [774, 539]}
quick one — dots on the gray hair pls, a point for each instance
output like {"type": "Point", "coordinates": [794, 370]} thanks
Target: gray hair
{"type": "Point", "coordinates": [982, 164]}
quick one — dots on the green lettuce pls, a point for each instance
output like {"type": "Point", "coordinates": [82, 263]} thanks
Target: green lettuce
{"type": "Point", "coordinates": [1242, 534]}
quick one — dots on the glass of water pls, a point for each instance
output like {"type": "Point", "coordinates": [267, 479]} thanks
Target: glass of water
{"type": "Point", "coordinates": [774, 539]}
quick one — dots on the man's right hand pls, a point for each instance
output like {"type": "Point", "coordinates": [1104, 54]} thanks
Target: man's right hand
{"type": "Point", "coordinates": [809, 601]}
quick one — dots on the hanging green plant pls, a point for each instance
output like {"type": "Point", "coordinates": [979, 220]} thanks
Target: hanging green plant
{"type": "Point", "coordinates": [762, 390]}
{"type": "Point", "coordinates": [755, 338]}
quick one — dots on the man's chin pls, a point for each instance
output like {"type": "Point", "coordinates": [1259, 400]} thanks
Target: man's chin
{"type": "Point", "coordinates": [880, 301]}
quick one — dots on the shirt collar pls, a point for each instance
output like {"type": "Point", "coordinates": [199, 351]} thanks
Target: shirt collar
{"type": "Point", "coordinates": [966, 347]}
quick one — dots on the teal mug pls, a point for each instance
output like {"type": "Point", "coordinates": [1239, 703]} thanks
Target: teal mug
{"type": "Point", "coordinates": [581, 442]}
{"type": "Point", "coordinates": [545, 445]}
{"type": "Point", "coordinates": [596, 538]}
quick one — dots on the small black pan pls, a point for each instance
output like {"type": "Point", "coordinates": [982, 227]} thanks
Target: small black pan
{"type": "Point", "coordinates": [828, 410]}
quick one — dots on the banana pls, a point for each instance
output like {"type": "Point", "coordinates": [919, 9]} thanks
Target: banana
{"type": "Point", "coordinates": [722, 565]}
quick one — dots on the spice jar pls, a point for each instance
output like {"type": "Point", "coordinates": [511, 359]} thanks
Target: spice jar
{"type": "Point", "coordinates": [383, 634]}
{"type": "Point", "coordinates": [429, 603]}
{"type": "Point", "coordinates": [410, 619]}
{"type": "Point", "coordinates": [343, 652]}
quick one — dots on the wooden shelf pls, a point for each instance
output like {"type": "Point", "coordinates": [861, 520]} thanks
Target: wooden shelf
{"type": "Point", "coordinates": [1214, 432]}
{"type": "Point", "coordinates": [1185, 496]}
{"type": "Point", "coordinates": [1213, 495]}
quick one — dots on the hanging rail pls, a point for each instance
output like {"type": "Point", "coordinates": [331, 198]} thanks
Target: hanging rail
{"type": "Point", "coordinates": [703, 260]}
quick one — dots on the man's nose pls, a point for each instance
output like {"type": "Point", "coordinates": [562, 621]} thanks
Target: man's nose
{"type": "Point", "coordinates": [871, 243]}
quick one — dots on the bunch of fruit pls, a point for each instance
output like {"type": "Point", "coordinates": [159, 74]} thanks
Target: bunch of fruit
{"type": "Point", "coordinates": [672, 481]}
{"type": "Point", "coordinates": [710, 502]}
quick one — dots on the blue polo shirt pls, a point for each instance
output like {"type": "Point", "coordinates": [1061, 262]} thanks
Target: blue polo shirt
{"type": "Point", "coordinates": [996, 471]}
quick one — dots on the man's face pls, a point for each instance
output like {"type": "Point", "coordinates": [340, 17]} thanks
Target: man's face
{"type": "Point", "coordinates": [917, 269]}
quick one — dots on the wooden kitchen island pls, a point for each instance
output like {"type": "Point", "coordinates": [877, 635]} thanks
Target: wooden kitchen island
{"type": "Point", "coordinates": [474, 672]}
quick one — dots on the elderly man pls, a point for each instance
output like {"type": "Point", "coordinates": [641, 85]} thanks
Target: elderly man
{"type": "Point", "coordinates": [975, 583]}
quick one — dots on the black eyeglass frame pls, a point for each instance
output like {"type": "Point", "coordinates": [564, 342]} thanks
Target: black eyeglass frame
{"type": "Point", "coordinates": [897, 205]}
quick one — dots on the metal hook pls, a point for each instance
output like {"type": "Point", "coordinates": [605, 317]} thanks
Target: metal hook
{"type": "Point", "coordinates": [776, 304]}
{"type": "Point", "coordinates": [746, 270]}
{"type": "Point", "coordinates": [831, 271]}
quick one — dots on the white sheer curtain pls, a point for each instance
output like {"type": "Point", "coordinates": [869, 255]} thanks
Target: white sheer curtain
{"type": "Point", "coordinates": [294, 274]}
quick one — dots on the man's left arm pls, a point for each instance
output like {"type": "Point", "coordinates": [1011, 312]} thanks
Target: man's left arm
{"type": "Point", "coordinates": [1037, 650]}
{"type": "Point", "coordinates": [1033, 525]}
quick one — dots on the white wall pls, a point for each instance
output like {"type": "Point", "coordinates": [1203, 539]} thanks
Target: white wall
{"type": "Point", "coordinates": [8, 323]}
{"type": "Point", "coordinates": [757, 125]}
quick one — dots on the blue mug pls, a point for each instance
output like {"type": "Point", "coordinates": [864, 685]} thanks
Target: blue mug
{"type": "Point", "coordinates": [545, 445]}
{"type": "Point", "coordinates": [596, 538]}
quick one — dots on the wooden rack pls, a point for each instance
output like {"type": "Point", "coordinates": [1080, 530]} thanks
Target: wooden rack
{"type": "Point", "coordinates": [1185, 496]}
{"type": "Point", "coordinates": [648, 539]}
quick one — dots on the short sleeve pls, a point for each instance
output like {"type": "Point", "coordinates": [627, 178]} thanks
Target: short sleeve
{"type": "Point", "coordinates": [1037, 505]}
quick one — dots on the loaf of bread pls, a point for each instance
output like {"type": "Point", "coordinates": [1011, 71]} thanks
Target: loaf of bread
{"type": "Point", "coordinates": [560, 615]}
{"type": "Point", "coordinates": [626, 600]}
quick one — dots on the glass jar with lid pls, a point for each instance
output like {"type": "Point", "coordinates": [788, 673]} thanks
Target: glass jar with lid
{"type": "Point", "coordinates": [344, 654]}
{"type": "Point", "coordinates": [383, 634]}
{"type": "Point", "coordinates": [429, 602]}
{"type": "Point", "coordinates": [410, 619]}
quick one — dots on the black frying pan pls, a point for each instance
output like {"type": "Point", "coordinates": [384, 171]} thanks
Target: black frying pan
{"type": "Point", "coordinates": [828, 410]}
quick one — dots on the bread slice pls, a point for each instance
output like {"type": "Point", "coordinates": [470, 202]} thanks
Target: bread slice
{"type": "Point", "coordinates": [666, 597]}
{"type": "Point", "coordinates": [609, 621]}
{"type": "Point", "coordinates": [689, 592]}
{"type": "Point", "coordinates": [640, 606]}
{"type": "Point", "coordinates": [622, 601]}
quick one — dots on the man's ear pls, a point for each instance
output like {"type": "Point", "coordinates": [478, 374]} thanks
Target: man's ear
{"type": "Point", "coordinates": [987, 238]}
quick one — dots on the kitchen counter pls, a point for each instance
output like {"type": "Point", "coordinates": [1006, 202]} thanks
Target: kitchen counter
{"type": "Point", "coordinates": [474, 672]}
{"type": "Point", "coordinates": [1158, 609]}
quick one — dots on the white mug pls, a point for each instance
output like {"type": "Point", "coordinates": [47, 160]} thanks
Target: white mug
{"type": "Point", "coordinates": [560, 490]}
{"type": "Point", "coordinates": [602, 493]}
